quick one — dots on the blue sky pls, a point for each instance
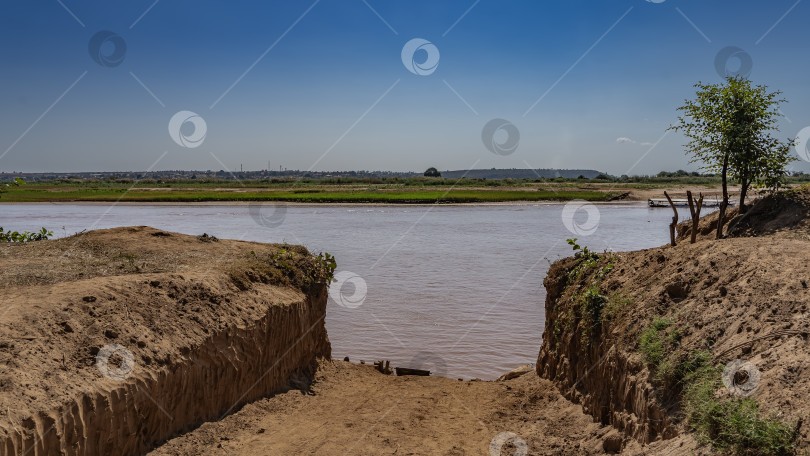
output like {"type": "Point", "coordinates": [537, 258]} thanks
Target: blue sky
{"type": "Point", "coordinates": [322, 85]}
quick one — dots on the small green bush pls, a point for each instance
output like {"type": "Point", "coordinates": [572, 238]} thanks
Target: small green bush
{"type": "Point", "coordinates": [677, 368]}
{"type": "Point", "coordinates": [727, 424]}
{"type": "Point", "coordinates": [651, 341]}
{"type": "Point", "coordinates": [591, 302]}
{"type": "Point", "coordinates": [24, 236]}
{"type": "Point", "coordinates": [733, 424]}
{"type": "Point", "coordinates": [660, 324]}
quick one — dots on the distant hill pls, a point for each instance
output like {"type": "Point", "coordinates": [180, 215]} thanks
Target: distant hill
{"type": "Point", "coordinates": [520, 173]}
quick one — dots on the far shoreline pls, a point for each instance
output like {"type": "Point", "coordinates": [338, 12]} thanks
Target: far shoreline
{"type": "Point", "coordinates": [355, 197]}
{"type": "Point", "coordinates": [299, 204]}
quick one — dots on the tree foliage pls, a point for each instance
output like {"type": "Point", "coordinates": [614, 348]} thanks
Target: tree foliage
{"type": "Point", "coordinates": [729, 127]}
{"type": "Point", "coordinates": [432, 172]}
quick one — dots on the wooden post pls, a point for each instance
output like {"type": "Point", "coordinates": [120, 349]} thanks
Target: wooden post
{"type": "Point", "coordinates": [695, 214]}
{"type": "Point", "coordinates": [674, 223]}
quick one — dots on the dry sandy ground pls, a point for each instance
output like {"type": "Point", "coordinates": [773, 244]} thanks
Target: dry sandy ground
{"type": "Point", "coordinates": [353, 409]}
{"type": "Point", "coordinates": [113, 340]}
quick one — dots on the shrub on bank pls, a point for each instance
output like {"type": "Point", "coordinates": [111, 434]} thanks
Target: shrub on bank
{"type": "Point", "coordinates": [726, 423]}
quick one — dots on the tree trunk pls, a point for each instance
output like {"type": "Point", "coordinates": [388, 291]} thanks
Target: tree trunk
{"type": "Point", "coordinates": [743, 191]}
{"type": "Point", "coordinates": [722, 213]}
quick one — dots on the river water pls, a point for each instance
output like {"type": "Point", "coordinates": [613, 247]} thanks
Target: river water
{"type": "Point", "coordinates": [454, 289]}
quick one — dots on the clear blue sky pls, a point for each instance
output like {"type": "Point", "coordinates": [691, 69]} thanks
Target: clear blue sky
{"type": "Point", "coordinates": [331, 91]}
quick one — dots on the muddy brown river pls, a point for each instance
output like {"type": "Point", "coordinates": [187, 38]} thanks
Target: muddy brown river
{"type": "Point", "coordinates": [454, 289]}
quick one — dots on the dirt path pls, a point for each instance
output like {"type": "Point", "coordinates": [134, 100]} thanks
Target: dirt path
{"type": "Point", "coordinates": [353, 409]}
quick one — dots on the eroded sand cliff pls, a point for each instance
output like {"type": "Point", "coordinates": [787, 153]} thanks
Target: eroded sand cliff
{"type": "Point", "coordinates": [115, 340]}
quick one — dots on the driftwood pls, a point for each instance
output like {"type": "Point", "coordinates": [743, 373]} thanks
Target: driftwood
{"type": "Point", "coordinates": [695, 214]}
{"type": "Point", "coordinates": [674, 223]}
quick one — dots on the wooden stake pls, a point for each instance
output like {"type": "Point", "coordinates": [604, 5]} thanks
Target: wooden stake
{"type": "Point", "coordinates": [674, 223]}
{"type": "Point", "coordinates": [695, 214]}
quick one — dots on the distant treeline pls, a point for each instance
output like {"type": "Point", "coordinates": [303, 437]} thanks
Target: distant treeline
{"type": "Point", "coordinates": [663, 177]}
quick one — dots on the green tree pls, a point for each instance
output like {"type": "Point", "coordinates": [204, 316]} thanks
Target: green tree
{"type": "Point", "coordinates": [729, 128]}
{"type": "Point", "coordinates": [432, 172]}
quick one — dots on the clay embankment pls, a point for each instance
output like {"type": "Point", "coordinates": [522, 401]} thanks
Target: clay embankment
{"type": "Point", "coordinates": [113, 341]}
{"type": "Point", "coordinates": [744, 297]}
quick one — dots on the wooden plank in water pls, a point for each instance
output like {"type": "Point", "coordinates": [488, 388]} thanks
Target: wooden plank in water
{"type": "Point", "coordinates": [406, 371]}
